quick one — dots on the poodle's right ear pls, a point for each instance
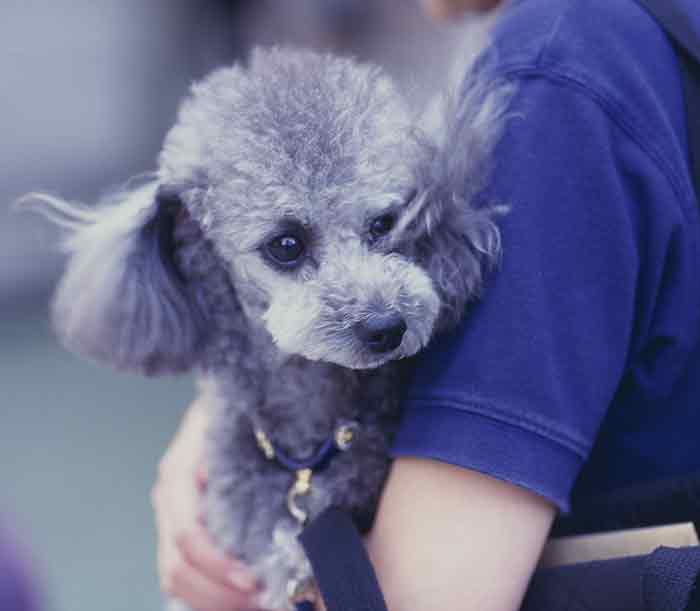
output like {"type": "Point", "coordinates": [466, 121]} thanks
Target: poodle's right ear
{"type": "Point", "coordinates": [121, 299]}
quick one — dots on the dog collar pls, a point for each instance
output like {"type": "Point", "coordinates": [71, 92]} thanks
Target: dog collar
{"type": "Point", "coordinates": [340, 440]}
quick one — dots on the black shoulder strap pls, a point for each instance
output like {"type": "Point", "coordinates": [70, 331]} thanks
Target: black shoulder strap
{"type": "Point", "coordinates": [342, 569]}
{"type": "Point", "coordinates": [674, 20]}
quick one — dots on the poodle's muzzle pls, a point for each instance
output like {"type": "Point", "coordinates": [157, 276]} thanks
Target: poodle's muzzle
{"type": "Point", "coordinates": [360, 310]}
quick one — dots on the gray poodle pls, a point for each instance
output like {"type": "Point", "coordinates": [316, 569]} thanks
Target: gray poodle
{"type": "Point", "coordinates": [301, 236]}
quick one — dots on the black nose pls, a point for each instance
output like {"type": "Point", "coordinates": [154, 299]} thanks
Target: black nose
{"type": "Point", "coordinates": [382, 333]}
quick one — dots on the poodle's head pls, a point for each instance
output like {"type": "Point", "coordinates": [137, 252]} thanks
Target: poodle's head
{"type": "Point", "coordinates": [347, 234]}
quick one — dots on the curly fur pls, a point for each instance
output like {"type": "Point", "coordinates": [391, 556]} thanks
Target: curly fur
{"type": "Point", "coordinates": [171, 275]}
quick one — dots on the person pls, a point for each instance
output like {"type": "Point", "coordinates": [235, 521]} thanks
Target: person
{"type": "Point", "coordinates": [575, 374]}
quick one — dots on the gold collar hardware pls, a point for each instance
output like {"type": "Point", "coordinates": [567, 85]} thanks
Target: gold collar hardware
{"type": "Point", "coordinates": [300, 487]}
{"type": "Point", "coordinates": [303, 593]}
{"type": "Point", "coordinates": [341, 440]}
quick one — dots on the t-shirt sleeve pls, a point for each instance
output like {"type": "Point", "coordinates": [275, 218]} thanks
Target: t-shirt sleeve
{"type": "Point", "coordinates": [520, 389]}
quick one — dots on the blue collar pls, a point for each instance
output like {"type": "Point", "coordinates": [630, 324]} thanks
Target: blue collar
{"type": "Point", "coordinates": [340, 440]}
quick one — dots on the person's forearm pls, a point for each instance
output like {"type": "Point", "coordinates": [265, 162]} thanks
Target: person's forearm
{"type": "Point", "coordinates": [448, 538]}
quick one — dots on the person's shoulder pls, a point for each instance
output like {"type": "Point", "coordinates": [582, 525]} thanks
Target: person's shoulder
{"type": "Point", "coordinates": [589, 36]}
{"type": "Point", "coordinates": [613, 53]}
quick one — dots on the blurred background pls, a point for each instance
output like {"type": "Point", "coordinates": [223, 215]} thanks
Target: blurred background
{"type": "Point", "coordinates": [87, 91]}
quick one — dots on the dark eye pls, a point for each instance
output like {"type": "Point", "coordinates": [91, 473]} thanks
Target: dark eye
{"type": "Point", "coordinates": [285, 249]}
{"type": "Point", "coordinates": [382, 225]}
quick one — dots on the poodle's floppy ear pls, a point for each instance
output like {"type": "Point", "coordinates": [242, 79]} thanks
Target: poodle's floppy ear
{"type": "Point", "coordinates": [457, 239]}
{"type": "Point", "coordinates": [121, 299]}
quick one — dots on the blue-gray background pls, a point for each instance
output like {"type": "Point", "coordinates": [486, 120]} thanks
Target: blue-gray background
{"type": "Point", "coordinates": [87, 90]}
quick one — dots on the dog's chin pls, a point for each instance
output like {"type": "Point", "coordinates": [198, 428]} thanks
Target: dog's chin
{"type": "Point", "coordinates": [366, 362]}
{"type": "Point", "coordinates": [355, 361]}
{"type": "Point", "coordinates": [359, 357]}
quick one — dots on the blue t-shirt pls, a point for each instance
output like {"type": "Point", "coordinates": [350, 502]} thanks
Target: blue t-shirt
{"type": "Point", "coordinates": [581, 359]}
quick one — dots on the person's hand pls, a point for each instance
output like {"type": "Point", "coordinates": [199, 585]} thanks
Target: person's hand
{"type": "Point", "coordinates": [191, 568]}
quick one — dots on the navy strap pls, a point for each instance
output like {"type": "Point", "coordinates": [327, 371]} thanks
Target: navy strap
{"type": "Point", "coordinates": [343, 572]}
{"type": "Point", "coordinates": [664, 580]}
{"type": "Point", "coordinates": [675, 22]}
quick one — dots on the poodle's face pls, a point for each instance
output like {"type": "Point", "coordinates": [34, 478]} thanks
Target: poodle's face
{"type": "Point", "coordinates": [347, 235]}
{"type": "Point", "coordinates": [332, 287]}
{"type": "Point", "coordinates": [307, 170]}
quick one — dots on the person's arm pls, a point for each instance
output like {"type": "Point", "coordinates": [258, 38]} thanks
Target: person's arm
{"type": "Point", "coordinates": [474, 540]}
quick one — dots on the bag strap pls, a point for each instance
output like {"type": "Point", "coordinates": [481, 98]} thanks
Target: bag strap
{"type": "Point", "coordinates": [675, 22]}
{"type": "Point", "coordinates": [343, 572]}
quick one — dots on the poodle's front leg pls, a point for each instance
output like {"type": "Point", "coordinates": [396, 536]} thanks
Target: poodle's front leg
{"type": "Point", "coordinates": [219, 509]}
{"type": "Point", "coordinates": [232, 460]}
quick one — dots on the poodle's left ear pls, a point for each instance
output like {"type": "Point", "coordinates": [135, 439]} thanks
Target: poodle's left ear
{"type": "Point", "coordinates": [121, 299]}
{"type": "Point", "coordinates": [456, 237]}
